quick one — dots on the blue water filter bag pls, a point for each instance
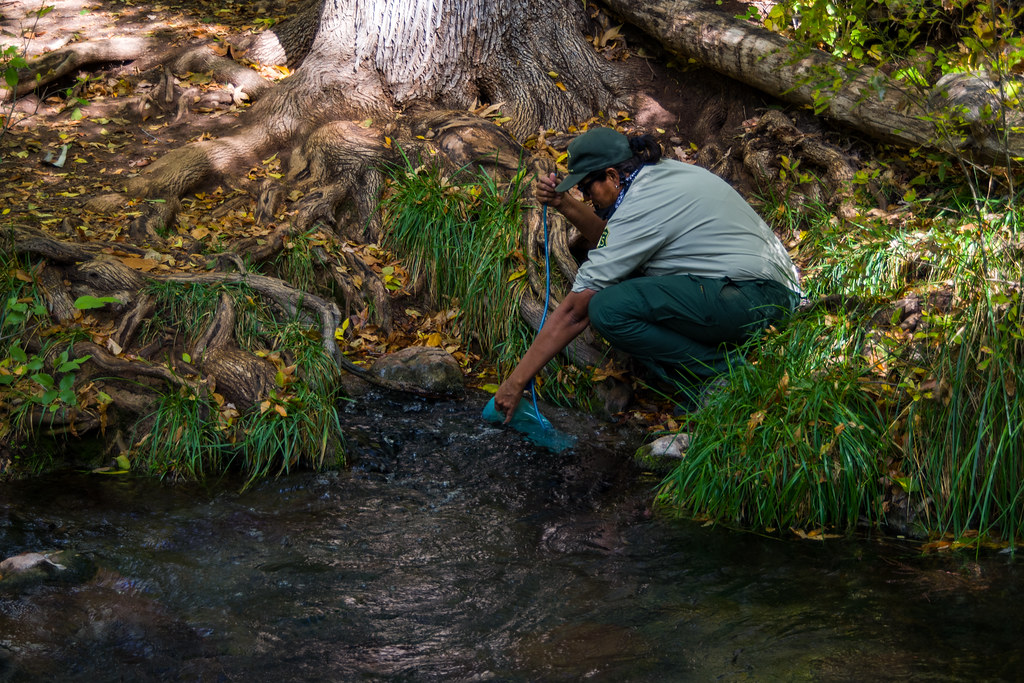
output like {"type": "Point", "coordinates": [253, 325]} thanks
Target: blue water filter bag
{"type": "Point", "coordinates": [532, 425]}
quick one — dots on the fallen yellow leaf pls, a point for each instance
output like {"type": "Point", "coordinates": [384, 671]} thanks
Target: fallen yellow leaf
{"type": "Point", "coordinates": [143, 264]}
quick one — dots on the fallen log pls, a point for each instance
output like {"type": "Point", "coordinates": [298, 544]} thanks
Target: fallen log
{"type": "Point", "coordinates": [949, 115]}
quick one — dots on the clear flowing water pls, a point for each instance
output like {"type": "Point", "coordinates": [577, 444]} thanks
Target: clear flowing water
{"type": "Point", "coordinates": [455, 551]}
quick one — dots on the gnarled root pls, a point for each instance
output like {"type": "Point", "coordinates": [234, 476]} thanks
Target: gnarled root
{"type": "Point", "coordinates": [215, 361]}
{"type": "Point", "coordinates": [241, 377]}
{"type": "Point", "coordinates": [246, 83]}
{"type": "Point", "coordinates": [193, 166]}
{"type": "Point", "coordinates": [775, 136]}
{"type": "Point", "coordinates": [60, 63]}
{"type": "Point", "coordinates": [339, 161]}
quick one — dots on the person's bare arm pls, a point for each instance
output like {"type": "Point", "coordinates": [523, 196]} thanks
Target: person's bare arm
{"type": "Point", "coordinates": [576, 212]}
{"type": "Point", "coordinates": [561, 327]}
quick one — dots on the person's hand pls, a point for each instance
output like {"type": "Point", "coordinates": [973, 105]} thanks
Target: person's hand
{"type": "Point", "coordinates": [508, 396]}
{"type": "Point", "coordinates": [546, 193]}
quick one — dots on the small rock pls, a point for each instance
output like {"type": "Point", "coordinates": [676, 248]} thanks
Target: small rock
{"type": "Point", "coordinates": [430, 369]}
{"type": "Point", "coordinates": [26, 562]}
{"type": "Point", "coordinates": [664, 452]}
{"type": "Point", "coordinates": [354, 386]}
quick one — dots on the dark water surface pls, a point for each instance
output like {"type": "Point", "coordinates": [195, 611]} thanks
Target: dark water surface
{"type": "Point", "coordinates": [454, 551]}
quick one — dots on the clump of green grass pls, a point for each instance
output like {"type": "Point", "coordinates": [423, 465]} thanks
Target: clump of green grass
{"type": "Point", "coordinates": [316, 369]}
{"type": "Point", "coordinates": [795, 438]}
{"type": "Point", "coordinates": [297, 424]}
{"type": "Point", "coordinates": [184, 304]}
{"type": "Point", "coordinates": [190, 307]}
{"type": "Point", "coordinates": [295, 262]}
{"type": "Point", "coordinates": [185, 440]}
{"type": "Point", "coordinates": [883, 260]}
{"type": "Point", "coordinates": [289, 429]}
{"type": "Point", "coordinates": [191, 435]}
{"type": "Point", "coordinates": [962, 418]}
{"type": "Point", "coordinates": [461, 233]}
{"type": "Point", "coordinates": [253, 317]}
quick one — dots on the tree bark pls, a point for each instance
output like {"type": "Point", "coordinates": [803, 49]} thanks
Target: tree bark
{"type": "Point", "coordinates": [867, 99]}
{"type": "Point", "coordinates": [454, 52]}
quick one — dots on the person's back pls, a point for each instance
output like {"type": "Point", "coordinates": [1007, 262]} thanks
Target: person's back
{"type": "Point", "coordinates": [677, 218]}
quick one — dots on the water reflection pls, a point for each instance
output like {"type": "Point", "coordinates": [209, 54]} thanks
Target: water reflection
{"type": "Point", "coordinates": [454, 551]}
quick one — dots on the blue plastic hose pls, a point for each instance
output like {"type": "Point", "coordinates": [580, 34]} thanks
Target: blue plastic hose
{"type": "Point", "coordinates": [547, 301]}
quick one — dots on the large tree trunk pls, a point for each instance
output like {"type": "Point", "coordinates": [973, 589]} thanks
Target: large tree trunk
{"type": "Point", "coordinates": [949, 116]}
{"type": "Point", "coordinates": [454, 52]}
{"type": "Point", "coordinates": [379, 57]}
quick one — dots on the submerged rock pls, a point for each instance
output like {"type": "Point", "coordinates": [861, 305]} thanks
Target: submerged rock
{"type": "Point", "coordinates": [429, 369]}
{"type": "Point", "coordinates": [583, 534]}
{"type": "Point", "coordinates": [30, 569]}
{"type": "Point", "coordinates": [615, 395]}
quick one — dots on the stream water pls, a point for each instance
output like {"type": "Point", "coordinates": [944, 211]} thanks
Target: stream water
{"type": "Point", "coordinates": [452, 550]}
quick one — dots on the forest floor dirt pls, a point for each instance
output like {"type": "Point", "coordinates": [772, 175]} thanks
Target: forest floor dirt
{"type": "Point", "coordinates": [59, 151]}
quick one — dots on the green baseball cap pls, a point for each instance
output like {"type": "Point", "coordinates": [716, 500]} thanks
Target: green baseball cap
{"type": "Point", "coordinates": [597, 149]}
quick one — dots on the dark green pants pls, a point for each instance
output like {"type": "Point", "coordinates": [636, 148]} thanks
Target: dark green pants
{"type": "Point", "coordinates": [686, 327]}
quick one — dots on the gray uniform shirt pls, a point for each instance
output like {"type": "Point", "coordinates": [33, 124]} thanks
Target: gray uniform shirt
{"type": "Point", "coordinates": [678, 219]}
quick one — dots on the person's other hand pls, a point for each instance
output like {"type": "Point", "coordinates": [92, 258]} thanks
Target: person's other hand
{"type": "Point", "coordinates": [546, 193]}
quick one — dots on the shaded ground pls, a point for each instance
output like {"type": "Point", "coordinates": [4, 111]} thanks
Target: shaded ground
{"type": "Point", "coordinates": [107, 139]}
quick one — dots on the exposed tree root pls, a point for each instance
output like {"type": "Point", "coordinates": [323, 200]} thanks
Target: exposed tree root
{"type": "Point", "coordinates": [29, 240]}
{"type": "Point", "coordinates": [153, 63]}
{"type": "Point", "coordinates": [129, 324]}
{"type": "Point", "coordinates": [289, 42]}
{"type": "Point", "coordinates": [75, 423]}
{"type": "Point", "coordinates": [58, 299]}
{"type": "Point", "coordinates": [247, 84]}
{"type": "Point", "coordinates": [61, 63]}
{"type": "Point", "coordinates": [818, 172]}
{"type": "Point", "coordinates": [125, 369]}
